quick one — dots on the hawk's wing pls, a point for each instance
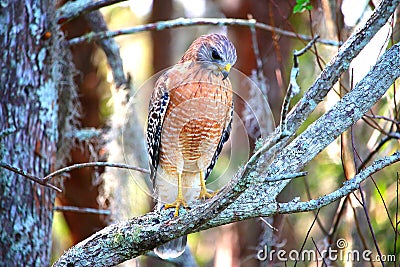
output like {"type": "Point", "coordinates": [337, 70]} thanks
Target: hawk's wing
{"type": "Point", "coordinates": [157, 108]}
{"type": "Point", "coordinates": [224, 137]}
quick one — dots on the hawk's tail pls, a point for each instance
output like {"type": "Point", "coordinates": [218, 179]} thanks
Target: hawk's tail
{"type": "Point", "coordinates": [171, 249]}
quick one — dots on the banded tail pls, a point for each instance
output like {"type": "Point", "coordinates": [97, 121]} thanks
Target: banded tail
{"type": "Point", "coordinates": [172, 249]}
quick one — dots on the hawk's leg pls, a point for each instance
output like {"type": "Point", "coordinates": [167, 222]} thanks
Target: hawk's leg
{"type": "Point", "coordinates": [203, 190]}
{"type": "Point", "coordinates": [180, 201]}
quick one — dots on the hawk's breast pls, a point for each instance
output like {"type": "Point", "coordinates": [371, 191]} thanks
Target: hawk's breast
{"type": "Point", "coordinates": [198, 112]}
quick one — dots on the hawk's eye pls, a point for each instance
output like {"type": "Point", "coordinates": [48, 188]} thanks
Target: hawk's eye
{"type": "Point", "coordinates": [215, 55]}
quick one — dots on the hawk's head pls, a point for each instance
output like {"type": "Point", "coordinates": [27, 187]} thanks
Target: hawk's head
{"type": "Point", "coordinates": [213, 49]}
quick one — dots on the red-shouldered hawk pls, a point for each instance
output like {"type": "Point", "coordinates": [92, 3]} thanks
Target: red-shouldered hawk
{"type": "Point", "coordinates": [190, 116]}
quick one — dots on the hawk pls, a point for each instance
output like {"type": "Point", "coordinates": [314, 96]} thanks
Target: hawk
{"type": "Point", "coordinates": [190, 116]}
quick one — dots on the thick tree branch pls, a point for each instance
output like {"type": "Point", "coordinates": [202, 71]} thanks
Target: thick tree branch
{"type": "Point", "coordinates": [128, 239]}
{"type": "Point", "coordinates": [73, 9]}
{"type": "Point", "coordinates": [339, 64]}
{"type": "Point", "coordinates": [326, 80]}
{"type": "Point", "coordinates": [248, 195]}
{"type": "Point", "coordinates": [348, 187]}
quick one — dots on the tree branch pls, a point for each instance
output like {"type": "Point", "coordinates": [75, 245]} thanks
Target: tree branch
{"type": "Point", "coordinates": [184, 22]}
{"type": "Point", "coordinates": [73, 9]}
{"type": "Point", "coordinates": [338, 64]}
{"type": "Point", "coordinates": [326, 80]}
{"type": "Point", "coordinates": [129, 239]}
{"type": "Point", "coordinates": [248, 194]}
{"type": "Point", "coordinates": [110, 47]}
{"type": "Point", "coordinates": [348, 187]}
{"type": "Point", "coordinates": [293, 88]}
{"type": "Point", "coordinates": [314, 139]}
{"type": "Point", "coordinates": [45, 180]}
{"type": "Point", "coordinates": [94, 164]}
{"type": "Point", "coordinates": [82, 210]}
{"type": "Point", "coordinates": [29, 176]}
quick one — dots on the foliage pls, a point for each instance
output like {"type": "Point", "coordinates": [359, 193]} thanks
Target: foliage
{"type": "Point", "coordinates": [301, 6]}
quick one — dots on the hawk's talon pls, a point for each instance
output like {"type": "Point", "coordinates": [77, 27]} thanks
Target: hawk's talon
{"type": "Point", "coordinates": [203, 189]}
{"type": "Point", "coordinates": [205, 195]}
{"type": "Point", "coordinates": [179, 202]}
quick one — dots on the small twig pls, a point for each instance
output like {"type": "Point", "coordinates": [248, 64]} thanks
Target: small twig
{"type": "Point", "coordinates": [396, 220]}
{"type": "Point", "coordinates": [285, 176]}
{"type": "Point", "coordinates": [340, 63]}
{"type": "Point", "coordinates": [268, 224]}
{"type": "Point", "coordinates": [357, 222]}
{"type": "Point", "coordinates": [308, 233]}
{"type": "Point", "coordinates": [382, 118]}
{"type": "Point", "coordinates": [82, 210]}
{"type": "Point", "coordinates": [320, 224]}
{"type": "Point", "coordinates": [394, 135]}
{"type": "Point", "coordinates": [45, 181]}
{"type": "Point", "coordinates": [336, 219]}
{"type": "Point", "coordinates": [383, 202]}
{"type": "Point", "coordinates": [257, 55]}
{"type": "Point", "coordinates": [317, 57]}
{"type": "Point", "coordinates": [384, 140]}
{"type": "Point", "coordinates": [319, 253]}
{"type": "Point", "coordinates": [181, 22]}
{"type": "Point", "coordinates": [364, 204]}
{"type": "Point", "coordinates": [299, 53]}
{"type": "Point", "coordinates": [356, 197]}
{"type": "Point", "coordinates": [293, 88]}
{"type": "Point", "coordinates": [73, 9]}
{"type": "Point", "coordinates": [94, 164]}
{"type": "Point", "coordinates": [373, 124]}
{"type": "Point", "coordinates": [29, 176]}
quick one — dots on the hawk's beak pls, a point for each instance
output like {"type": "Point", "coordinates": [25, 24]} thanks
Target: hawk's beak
{"type": "Point", "coordinates": [225, 71]}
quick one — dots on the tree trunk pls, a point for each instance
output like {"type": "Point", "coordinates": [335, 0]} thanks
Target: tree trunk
{"type": "Point", "coordinates": [162, 45]}
{"type": "Point", "coordinates": [29, 86]}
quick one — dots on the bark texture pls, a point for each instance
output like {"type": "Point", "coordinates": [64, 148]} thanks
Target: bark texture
{"type": "Point", "coordinates": [30, 83]}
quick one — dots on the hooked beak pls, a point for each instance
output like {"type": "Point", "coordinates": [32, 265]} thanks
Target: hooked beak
{"type": "Point", "coordinates": [225, 71]}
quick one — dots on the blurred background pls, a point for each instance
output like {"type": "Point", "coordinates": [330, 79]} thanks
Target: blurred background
{"type": "Point", "coordinates": [127, 194]}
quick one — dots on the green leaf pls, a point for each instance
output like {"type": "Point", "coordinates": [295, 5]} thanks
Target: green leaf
{"type": "Point", "coordinates": [301, 6]}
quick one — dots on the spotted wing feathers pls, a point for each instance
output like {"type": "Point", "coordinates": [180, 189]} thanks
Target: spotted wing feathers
{"type": "Point", "coordinates": [157, 108]}
{"type": "Point", "coordinates": [224, 137]}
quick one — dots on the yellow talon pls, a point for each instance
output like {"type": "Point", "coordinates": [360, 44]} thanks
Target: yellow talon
{"type": "Point", "coordinates": [205, 195]}
{"type": "Point", "coordinates": [180, 201]}
{"type": "Point", "coordinates": [203, 190]}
